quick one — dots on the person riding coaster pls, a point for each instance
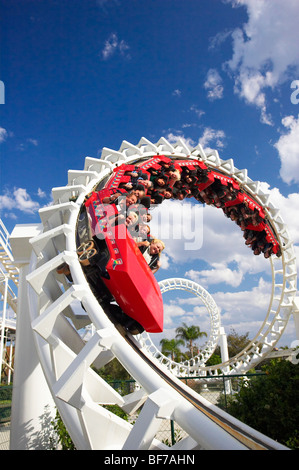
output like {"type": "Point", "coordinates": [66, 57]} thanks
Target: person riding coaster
{"type": "Point", "coordinates": [117, 272]}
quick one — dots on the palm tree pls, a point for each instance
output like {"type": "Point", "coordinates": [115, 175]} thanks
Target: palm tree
{"type": "Point", "coordinates": [171, 347]}
{"type": "Point", "coordinates": [189, 334]}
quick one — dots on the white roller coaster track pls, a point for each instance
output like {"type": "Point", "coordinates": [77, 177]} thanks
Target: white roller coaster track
{"type": "Point", "coordinates": [77, 390]}
{"type": "Point", "coordinates": [188, 367]}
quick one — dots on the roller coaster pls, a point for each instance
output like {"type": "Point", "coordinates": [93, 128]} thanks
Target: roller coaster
{"type": "Point", "coordinates": [79, 258]}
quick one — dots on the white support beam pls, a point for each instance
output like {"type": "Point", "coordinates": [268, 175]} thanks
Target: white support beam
{"type": "Point", "coordinates": [159, 405]}
{"type": "Point", "coordinates": [38, 277]}
{"type": "Point", "coordinates": [44, 324]}
{"type": "Point", "coordinates": [134, 401]}
{"type": "Point", "coordinates": [69, 387]}
{"type": "Point", "coordinates": [31, 399]}
{"type": "Point", "coordinates": [40, 242]}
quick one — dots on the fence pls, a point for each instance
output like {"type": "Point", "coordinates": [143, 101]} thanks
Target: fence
{"type": "Point", "coordinates": [5, 413]}
{"type": "Point", "coordinates": [216, 390]}
{"type": "Point", "coordinates": [5, 403]}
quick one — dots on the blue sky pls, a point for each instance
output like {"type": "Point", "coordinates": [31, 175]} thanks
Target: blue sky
{"type": "Point", "coordinates": [83, 75]}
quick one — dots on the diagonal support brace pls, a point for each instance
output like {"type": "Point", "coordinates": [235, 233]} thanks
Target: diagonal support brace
{"type": "Point", "coordinates": [159, 405]}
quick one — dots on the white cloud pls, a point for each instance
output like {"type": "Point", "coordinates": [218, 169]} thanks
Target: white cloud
{"type": "Point", "coordinates": [218, 274]}
{"type": "Point", "coordinates": [220, 38]}
{"type": "Point", "coordinates": [6, 202]}
{"type": "Point", "coordinates": [20, 200]}
{"type": "Point", "coordinates": [249, 85]}
{"type": "Point", "coordinates": [173, 138]}
{"type": "Point", "coordinates": [238, 301]}
{"type": "Point", "coordinates": [265, 50]}
{"type": "Point", "coordinates": [244, 310]}
{"type": "Point", "coordinates": [10, 215]}
{"type": "Point", "coordinates": [164, 261]}
{"type": "Point", "coordinates": [113, 45]}
{"type": "Point", "coordinates": [212, 136]}
{"type": "Point", "coordinates": [288, 149]}
{"type": "Point", "coordinates": [24, 202]}
{"type": "Point", "coordinates": [33, 142]}
{"type": "Point", "coordinates": [177, 92]}
{"type": "Point", "coordinates": [41, 193]}
{"type": "Point", "coordinates": [213, 85]}
{"type": "Point", "coordinates": [198, 112]}
{"type": "Point", "coordinates": [171, 311]}
{"type": "Point", "coordinates": [24, 145]}
{"type": "Point", "coordinates": [110, 47]}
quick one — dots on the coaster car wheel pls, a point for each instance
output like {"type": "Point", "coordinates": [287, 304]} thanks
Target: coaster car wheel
{"type": "Point", "coordinates": [85, 247]}
{"type": "Point", "coordinates": [85, 257]}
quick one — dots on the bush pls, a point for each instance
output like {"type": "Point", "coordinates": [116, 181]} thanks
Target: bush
{"type": "Point", "coordinates": [270, 405]}
{"type": "Point", "coordinates": [5, 393]}
{"type": "Point", "coordinates": [63, 436]}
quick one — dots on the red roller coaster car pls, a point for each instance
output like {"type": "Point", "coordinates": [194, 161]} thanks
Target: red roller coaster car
{"type": "Point", "coordinates": [117, 270]}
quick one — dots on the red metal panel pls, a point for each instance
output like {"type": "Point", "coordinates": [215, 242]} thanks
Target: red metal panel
{"type": "Point", "coordinates": [134, 287]}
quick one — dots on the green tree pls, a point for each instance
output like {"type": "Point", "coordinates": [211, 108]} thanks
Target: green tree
{"type": "Point", "coordinates": [269, 403]}
{"type": "Point", "coordinates": [113, 370]}
{"type": "Point", "coordinates": [170, 347]}
{"type": "Point", "coordinates": [236, 343]}
{"type": "Point", "coordinates": [189, 334]}
{"type": "Point", "coordinates": [63, 436]}
{"type": "Point", "coordinates": [214, 360]}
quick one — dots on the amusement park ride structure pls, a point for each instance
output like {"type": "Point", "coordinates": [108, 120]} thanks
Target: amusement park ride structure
{"type": "Point", "coordinates": [53, 363]}
{"type": "Point", "coordinates": [9, 281]}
